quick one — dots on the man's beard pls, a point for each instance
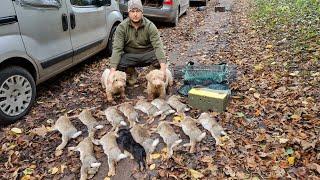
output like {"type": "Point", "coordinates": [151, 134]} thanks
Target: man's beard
{"type": "Point", "coordinates": [136, 22]}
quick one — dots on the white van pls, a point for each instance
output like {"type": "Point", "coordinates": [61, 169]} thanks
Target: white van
{"type": "Point", "coordinates": [41, 38]}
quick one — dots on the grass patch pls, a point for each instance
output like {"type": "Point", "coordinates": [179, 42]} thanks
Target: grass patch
{"type": "Point", "coordinates": [294, 21]}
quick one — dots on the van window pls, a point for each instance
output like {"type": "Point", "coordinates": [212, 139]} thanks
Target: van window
{"type": "Point", "coordinates": [83, 2]}
{"type": "Point", "coordinates": [41, 3]}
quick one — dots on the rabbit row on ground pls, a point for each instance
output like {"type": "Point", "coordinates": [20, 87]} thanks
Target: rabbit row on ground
{"type": "Point", "coordinates": [137, 138]}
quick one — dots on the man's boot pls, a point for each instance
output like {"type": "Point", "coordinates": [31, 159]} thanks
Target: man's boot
{"type": "Point", "coordinates": [132, 76]}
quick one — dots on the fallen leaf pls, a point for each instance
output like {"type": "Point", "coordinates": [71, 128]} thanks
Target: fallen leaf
{"type": "Point", "coordinates": [213, 169]}
{"type": "Point", "coordinates": [314, 166]}
{"type": "Point", "coordinates": [27, 171]}
{"type": "Point", "coordinates": [177, 119]}
{"type": "Point", "coordinates": [106, 178]}
{"type": "Point", "coordinates": [26, 177]}
{"type": "Point", "coordinates": [283, 140]}
{"type": "Point", "coordinates": [289, 151]}
{"type": "Point", "coordinates": [315, 74]}
{"type": "Point", "coordinates": [306, 145]}
{"type": "Point", "coordinates": [258, 67]}
{"type": "Point", "coordinates": [152, 167]}
{"type": "Point", "coordinates": [16, 130]}
{"type": "Point", "coordinates": [54, 170]}
{"type": "Point", "coordinates": [41, 131]}
{"type": "Point", "coordinates": [155, 156]}
{"type": "Point", "coordinates": [58, 152]}
{"type": "Point", "coordinates": [228, 171]}
{"type": "Point", "coordinates": [240, 114]}
{"type": "Point", "coordinates": [207, 159]}
{"type": "Point", "coordinates": [263, 154]}
{"type": "Point", "coordinates": [63, 167]}
{"type": "Point", "coordinates": [291, 160]}
{"type": "Point", "coordinates": [15, 174]}
{"type": "Point", "coordinates": [195, 174]}
{"type": "Point", "coordinates": [260, 137]}
{"type": "Point", "coordinates": [251, 162]}
{"type": "Point", "coordinates": [295, 73]}
{"type": "Point", "coordinates": [269, 46]}
{"type": "Point", "coordinates": [256, 95]}
{"type": "Point", "coordinates": [296, 116]}
{"type": "Point", "coordinates": [242, 175]}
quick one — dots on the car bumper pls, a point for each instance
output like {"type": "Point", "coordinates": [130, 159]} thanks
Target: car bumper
{"type": "Point", "coordinates": [156, 14]}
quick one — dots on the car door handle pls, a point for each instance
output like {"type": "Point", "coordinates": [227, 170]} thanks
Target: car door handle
{"type": "Point", "coordinates": [64, 22]}
{"type": "Point", "coordinates": [72, 20]}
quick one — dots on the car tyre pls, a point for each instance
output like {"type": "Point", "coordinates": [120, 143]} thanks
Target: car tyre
{"type": "Point", "coordinates": [110, 40]}
{"type": "Point", "coordinates": [17, 93]}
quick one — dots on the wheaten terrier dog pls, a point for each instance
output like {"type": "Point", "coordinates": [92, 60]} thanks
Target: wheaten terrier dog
{"type": "Point", "coordinates": [118, 84]}
{"type": "Point", "coordinates": [158, 83]}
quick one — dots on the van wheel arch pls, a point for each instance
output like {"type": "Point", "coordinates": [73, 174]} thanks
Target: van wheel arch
{"type": "Point", "coordinates": [21, 62]}
{"type": "Point", "coordinates": [110, 39]}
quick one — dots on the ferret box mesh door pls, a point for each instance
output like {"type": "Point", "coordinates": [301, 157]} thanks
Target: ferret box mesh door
{"type": "Point", "coordinates": [216, 76]}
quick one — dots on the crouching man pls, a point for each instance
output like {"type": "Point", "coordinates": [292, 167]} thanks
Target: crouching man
{"type": "Point", "coordinates": [137, 43]}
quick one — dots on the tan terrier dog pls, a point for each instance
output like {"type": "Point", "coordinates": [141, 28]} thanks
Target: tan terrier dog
{"type": "Point", "coordinates": [90, 165]}
{"type": "Point", "coordinates": [67, 130]}
{"type": "Point", "coordinates": [118, 84]}
{"type": "Point", "coordinates": [212, 126]}
{"type": "Point", "coordinates": [157, 84]}
{"type": "Point", "coordinates": [169, 136]}
{"type": "Point", "coordinates": [111, 149]}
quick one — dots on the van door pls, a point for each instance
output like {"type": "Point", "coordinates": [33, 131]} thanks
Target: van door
{"type": "Point", "coordinates": [45, 33]}
{"type": "Point", "coordinates": [88, 27]}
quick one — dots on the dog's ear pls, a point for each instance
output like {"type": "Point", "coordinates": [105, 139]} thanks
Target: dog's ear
{"type": "Point", "coordinates": [148, 76]}
{"type": "Point", "coordinates": [123, 76]}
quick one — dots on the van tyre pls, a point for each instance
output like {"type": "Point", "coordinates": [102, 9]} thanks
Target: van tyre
{"type": "Point", "coordinates": [110, 40]}
{"type": "Point", "coordinates": [17, 93]}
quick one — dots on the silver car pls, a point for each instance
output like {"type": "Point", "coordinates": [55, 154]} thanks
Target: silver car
{"type": "Point", "coordinates": [160, 10]}
{"type": "Point", "coordinates": [41, 38]}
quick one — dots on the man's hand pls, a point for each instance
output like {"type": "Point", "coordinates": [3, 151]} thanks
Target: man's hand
{"type": "Point", "coordinates": [163, 68]}
{"type": "Point", "coordinates": [111, 74]}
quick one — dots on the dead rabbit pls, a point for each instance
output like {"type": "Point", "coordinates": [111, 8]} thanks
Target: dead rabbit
{"type": "Point", "coordinates": [90, 165]}
{"type": "Point", "coordinates": [67, 130]}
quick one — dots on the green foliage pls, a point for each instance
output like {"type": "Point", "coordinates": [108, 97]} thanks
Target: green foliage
{"type": "Point", "coordinates": [297, 21]}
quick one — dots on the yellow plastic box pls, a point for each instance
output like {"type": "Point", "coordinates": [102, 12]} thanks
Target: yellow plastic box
{"type": "Point", "coordinates": [208, 99]}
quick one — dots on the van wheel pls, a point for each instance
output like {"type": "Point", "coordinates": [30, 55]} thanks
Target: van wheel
{"type": "Point", "coordinates": [110, 40]}
{"type": "Point", "coordinates": [17, 93]}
